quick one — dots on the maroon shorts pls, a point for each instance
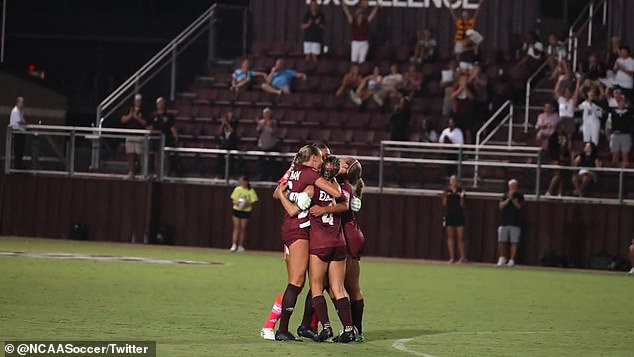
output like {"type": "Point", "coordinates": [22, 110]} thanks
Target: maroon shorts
{"type": "Point", "coordinates": [330, 254]}
{"type": "Point", "coordinates": [354, 240]}
{"type": "Point", "coordinates": [291, 235]}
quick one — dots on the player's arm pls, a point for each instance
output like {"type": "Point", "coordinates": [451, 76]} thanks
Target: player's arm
{"type": "Point", "coordinates": [331, 188]}
{"type": "Point", "coordinates": [334, 209]}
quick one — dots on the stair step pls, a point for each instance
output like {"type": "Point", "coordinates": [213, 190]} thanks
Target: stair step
{"type": "Point", "coordinates": [544, 90]}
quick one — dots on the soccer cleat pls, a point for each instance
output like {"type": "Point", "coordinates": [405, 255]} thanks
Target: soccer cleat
{"type": "Point", "coordinates": [346, 337]}
{"type": "Point", "coordinates": [240, 249]}
{"type": "Point", "coordinates": [233, 248]}
{"type": "Point", "coordinates": [303, 331]}
{"type": "Point", "coordinates": [359, 337]}
{"type": "Point", "coordinates": [325, 334]}
{"type": "Point", "coordinates": [631, 272]}
{"type": "Point", "coordinates": [285, 336]}
{"type": "Point", "coordinates": [378, 100]}
{"type": "Point", "coordinates": [511, 263]}
{"type": "Point", "coordinates": [268, 334]}
{"type": "Point", "coordinates": [501, 261]}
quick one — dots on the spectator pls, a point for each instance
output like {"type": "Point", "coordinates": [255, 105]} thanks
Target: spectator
{"type": "Point", "coordinates": [399, 121]}
{"type": "Point", "coordinates": [164, 122]}
{"type": "Point", "coordinates": [479, 83]}
{"type": "Point", "coordinates": [267, 141]}
{"type": "Point", "coordinates": [567, 100]}
{"type": "Point", "coordinates": [631, 272]}
{"type": "Point", "coordinates": [463, 24]}
{"type": "Point", "coordinates": [555, 52]}
{"type": "Point", "coordinates": [451, 135]}
{"type": "Point", "coordinates": [592, 70]}
{"type": "Point", "coordinates": [389, 85]}
{"type": "Point", "coordinates": [624, 72]}
{"type": "Point", "coordinates": [351, 81]}
{"type": "Point", "coordinates": [313, 25]}
{"type": "Point", "coordinates": [368, 87]}
{"type": "Point", "coordinates": [427, 132]}
{"type": "Point", "coordinates": [228, 132]}
{"type": "Point", "coordinates": [532, 50]}
{"type": "Point", "coordinates": [559, 152]}
{"type": "Point", "coordinates": [453, 203]}
{"type": "Point", "coordinates": [546, 124]}
{"type": "Point", "coordinates": [134, 119]}
{"type": "Point", "coordinates": [360, 27]}
{"type": "Point", "coordinates": [619, 126]}
{"type": "Point", "coordinates": [585, 160]}
{"type": "Point", "coordinates": [614, 53]}
{"type": "Point", "coordinates": [592, 113]}
{"type": "Point", "coordinates": [17, 123]}
{"type": "Point", "coordinates": [463, 105]}
{"type": "Point", "coordinates": [412, 81]}
{"type": "Point", "coordinates": [243, 198]}
{"type": "Point", "coordinates": [241, 77]}
{"type": "Point", "coordinates": [470, 50]}
{"type": "Point", "coordinates": [279, 79]}
{"type": "Point", "coordinates": [425, 50]}
{"type": "Point", "coordinates": [509, 230]}
{"type": "Point", "coordinates": [447, 77]}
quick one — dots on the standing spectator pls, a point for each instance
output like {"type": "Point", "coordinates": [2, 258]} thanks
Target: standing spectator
{"type": "Point", "coordinates": [479, 82]}
{"type": "Point", "coordinates": [425, 50]}
{"type": "Point", "coordinates": [241, 77]}
{"type": "Point", "coordinates": [463, 24]}
{"type": "Point", "coordinates": [452, 135]}
{"type": "Point", "coordinates": [360, 27]}
{"type": "Point", "coordinates": [555, 51]}
{"type": "Point", "coordinates": [546, 124]}
{"type": "Point", "coordinates": [134, 119]}
{"type": "Point", "coordinates": [559, 152]}
{"type": "Point", "coordinates": [586, 160]}
{"type": "Point", "coordinates": [631, 272]}
{"type": "Point", "coordinates": [592, 113]}
{"type": "Point", "coordinates": [592, 70]}
{"type": "Point", "coordinates": [399, 121]}
{"type": "Point", "coordinates": [350, 81]}
{"type": "Point", "coordinates": [427, 132]}
{"type": "Point", "coordinates": [368, 87]}
{"type": "Point", "coordinates": [447, 78]}
{"type": "Point", "coordinates": [463, 105]}
{"type": "Point", "coordinates": [412, 81]}
{"type": "Point", "coordinates": [619, 127]}
{"type": "Point", "coordinates": [614, 53]}
{"type": "Point", "coordinates": [313, 24]}
{"type": "Point", "coordinates": [243, 198]}
{"type": "Point", "coordinates": [470, 50]}
{"type": "Point", "coordinates": [509, 230]}
{"type": "Point", "coordinates": [228, 132]}
{"type": "Point", "coordinates": [567, 99]}
{"type": "Point", "coordinates": [624, 72]}
{"type": "Point", "coordinates": [279, 79]}
{"type": "Point", "coordinates": [389, 85]}
{"type": "Point", "coordinates": [453, 199]}
{"type": "Point", "coordinates": [164, 122]}
{"type": "Point", "coordinates": [267, 141]}
{"type": "Point", "coordinates": [532, 50]}
{"type": "Point", "coordinates": [17, 123]}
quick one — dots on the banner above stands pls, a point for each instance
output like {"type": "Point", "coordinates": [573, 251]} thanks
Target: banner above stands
{"type": "Point", "coordinates": [455, 4]}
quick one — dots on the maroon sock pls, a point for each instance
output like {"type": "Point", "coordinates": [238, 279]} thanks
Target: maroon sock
{"type": "Point", "coordinates": [319, 304]}
{"type": "Point", "coordinates": [308, 311]}
{"type": "Point", "coordinates": [288, 305]}
{"type": "Point", "coordinates": [345, 315]}
{"type": "Point", "coordinates": [357, 314]}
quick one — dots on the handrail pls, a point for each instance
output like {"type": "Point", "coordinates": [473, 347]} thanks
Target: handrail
{"type": "Point", "coordinates": [485, 126]}
{"type": "Point", "coordinates": [527, 103]}
{"type": "Point", "coordinates": [533, 149]}
{"type": "Point", "coordinates": [91, 130]}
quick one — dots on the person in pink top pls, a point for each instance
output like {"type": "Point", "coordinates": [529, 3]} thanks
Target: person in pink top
{"type": "Point", "coordinates": [546, 123]}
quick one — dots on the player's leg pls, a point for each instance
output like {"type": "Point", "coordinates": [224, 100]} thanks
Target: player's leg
{"type": "Point", "coordinates": [268, 330]}
{"type": "Point", "coordinates": [353, 287]}
{"type": "Point", "coordinates": [306, 329]}
{"type": "Point", "coordinates": [336, 276]}
{"type": "Point", "coordinates": [451, 231]}
{"type": "Point", "coordinates": [296, 265]}
{"type": "Point", "coordinates": [317, 272]}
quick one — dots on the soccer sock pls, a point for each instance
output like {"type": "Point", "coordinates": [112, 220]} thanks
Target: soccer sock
{"type": "Point", "coordinates": [314, 321]}
{"type": "Point", "coordinates": [308, 311]}
{"type": "Point", "coordinates": [345, 315]}
{"type": "Point", "coordinates": [276, 311]}
{"type": "Point", "coordinates": [356, 308]}
{"type": "Point", "coordinates": [288, 305]}
{"type": "Point", "coordinates": [319, 304]}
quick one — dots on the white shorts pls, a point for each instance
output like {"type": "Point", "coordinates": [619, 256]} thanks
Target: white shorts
{"type": "Point", "coordinates": [312, 48]}
{"type": "Point", "coordinates": [359, 50]}
{"type": "Point", "coordinates": [134, 146]}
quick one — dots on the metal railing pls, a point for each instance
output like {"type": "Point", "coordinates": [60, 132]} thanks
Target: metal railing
{"type": "Point", "coordinates": [508, 105]}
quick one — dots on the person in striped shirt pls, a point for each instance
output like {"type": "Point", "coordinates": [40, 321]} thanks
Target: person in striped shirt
{"type": "Point", "coordinates": [463, 23]}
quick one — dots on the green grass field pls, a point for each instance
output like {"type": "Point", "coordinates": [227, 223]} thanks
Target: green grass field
{"type": "Point", "coordinates": [412, 308]}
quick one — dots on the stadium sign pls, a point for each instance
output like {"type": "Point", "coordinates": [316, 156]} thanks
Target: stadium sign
{"type": "Point", "coordinates": [454, 4]}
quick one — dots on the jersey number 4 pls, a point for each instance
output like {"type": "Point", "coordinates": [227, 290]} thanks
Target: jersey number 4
{"type": "Point", "coordinates": [328, 219]}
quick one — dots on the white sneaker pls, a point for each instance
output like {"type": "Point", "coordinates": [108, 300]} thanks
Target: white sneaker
{"type": "Point", "coordinates": [233, 248]}
{"type": "Point", "coordinates": [631, 272]}
{"type": "Point", "coordinates": [378, 100]}
{"type": "Point", "coordinates": [511, 263]}
{"type": "Point", "coordinates": [501, 261]}
{"type": "Point", "coordinates": [268, 334]}
{"type": "Point", "coordinates": [240, 249]}
{"type": "Point", "coordinates": [355, 98]}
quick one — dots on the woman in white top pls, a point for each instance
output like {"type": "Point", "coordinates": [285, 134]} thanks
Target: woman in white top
{"type": "Point", "coordinates": [368, 87]}
{"type": "Point", "coordinates": [591, 125]}
{"type": "Point", "coordinates": [567, 99]}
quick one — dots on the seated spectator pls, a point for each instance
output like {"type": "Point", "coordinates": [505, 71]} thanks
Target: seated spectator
{"type": "Point", "coordinates": [546, 124]}
{"type": "Point", "coordinates": [567, 99]}
{"type": "Point", "coordinates": [559, 153]}
{"type": "Point", "coordinates": [350, 81]}
{"type": "Point", "coordinates": [399, 121]}
{"type": "Point", "coordinates": [425, 49]}
{"type": "Point", "coordinates": [624, 72]}
{"type": "Point", "coordinates": [241, 78]}
{"type": "Point", "coordinates": [479, 83]}
{"type": "Point", "coordinates": [618, 127]}
{"type": "Point", "coordinates": [463, 106]}
{"type": "Point", "coordinates": [313, 24]}
{"type": "Point", "coordinates": [631, 272]}
{"type": "Point", "coordinates": [451, 135]}
{"type": "Point", "coordinates": [279, 79]}
{"type": "Point", "coordinates": [447, 77]}
{"type": "Point", "coordinates": [592, 113]}
{"type": "Point", "coordinates": [586, 160]}
{"type": "Point", "coordinates": [412, 81]}
{"type": "Point", "coordinates": [592, 69]}
{"type": "Point", "coordinates": [555, 51]}
{"type": "Point", "coordinates": [390, 84]}
{"type": "Point", "coordinates": [532, 51]}
{"type": "Point", "coordinates": [427, 132]}
{"type": "Point", "coordinates": [369, 85]}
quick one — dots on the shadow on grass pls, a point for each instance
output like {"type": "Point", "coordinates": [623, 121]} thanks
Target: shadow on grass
{"type": "Point", "coordinates": [377, 335]}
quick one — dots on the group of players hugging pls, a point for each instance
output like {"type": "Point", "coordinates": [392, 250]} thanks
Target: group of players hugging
{"type": "Point", "coordinates": [320, 194]}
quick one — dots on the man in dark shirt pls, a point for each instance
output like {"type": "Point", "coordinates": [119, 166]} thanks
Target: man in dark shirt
{"type": "Point", "coordinates": [313, 25]}
{"type": "Point", "coordinates": [162, 121]}
{"type": "Point", "coordinates": [509, 230]}
{"type": "Point", "coordinates": [399, 121]}
{"type": "Point", "coordinates": [134, 118]}
{"type": "Point", "coordinates": [621, 119]}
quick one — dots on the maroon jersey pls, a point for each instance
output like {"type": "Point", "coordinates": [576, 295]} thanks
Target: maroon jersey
{"type": "Point", "coordinates": [351, 230]}
{"type": "Point", "coordinates": [325, 231]}
{"type": "Point", "coordinates": [297, 227]}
